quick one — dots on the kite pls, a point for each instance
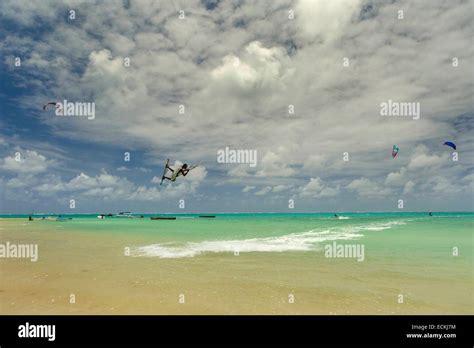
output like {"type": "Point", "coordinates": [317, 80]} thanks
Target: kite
{"type": "Point", "coordinates": [449, 143]}
{"type": "Point", "coordinates": [46, 105]}
{"type": "Point", "coordinates": [395, 151]}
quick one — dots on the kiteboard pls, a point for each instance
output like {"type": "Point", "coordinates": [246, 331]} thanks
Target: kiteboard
{"type": "Point", "coordinates": [164, 171]}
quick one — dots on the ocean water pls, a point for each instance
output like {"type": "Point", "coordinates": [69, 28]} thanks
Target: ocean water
{"type": "Point", "coordinates": [257, 260]}
{"type": "Point", "coordinates": [191, 236]}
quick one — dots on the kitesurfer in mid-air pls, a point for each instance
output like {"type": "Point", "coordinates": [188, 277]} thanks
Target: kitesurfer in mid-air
{"type": "Point", "coordinates": [180, 170]}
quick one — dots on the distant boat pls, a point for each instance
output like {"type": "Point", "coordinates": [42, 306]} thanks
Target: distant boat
{"type": "Point", "coordinates": [163, 218]}
{"type": "Point", "coordinates": [124, 214]}
{"type": "Point", "coordinates": [207, 216]}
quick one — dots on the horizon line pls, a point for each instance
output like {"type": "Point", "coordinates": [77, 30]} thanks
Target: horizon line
{"type": "Point", "coordinates": [196, 213]}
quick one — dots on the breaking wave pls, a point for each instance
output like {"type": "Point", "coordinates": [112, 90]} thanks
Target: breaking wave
{"type": "Point", "coordinates": [303, 241]}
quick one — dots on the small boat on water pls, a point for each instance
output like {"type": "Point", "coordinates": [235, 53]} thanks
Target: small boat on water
{"type": "Point", "coordinates": [126, 214]}
{"type": "Point", "coordinates": [207, 216]}
{"type": "Point", "coordinates": [163, 218]}
{"type": "Point", "coordinates": [43, 218]}
{"type": "Point", "coordinates": [103, 216]}
{"type": "Point", "coordinates": [123, 214]}
{"type": "Point", "coordinates": [50, 218]}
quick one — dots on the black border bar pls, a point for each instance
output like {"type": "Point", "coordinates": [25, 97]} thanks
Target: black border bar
{"type": "Point", "coordinates": [225, 330]}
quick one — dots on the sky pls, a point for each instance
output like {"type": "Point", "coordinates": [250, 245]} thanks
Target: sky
{"type": "Point", "coordinates": [301, 83]}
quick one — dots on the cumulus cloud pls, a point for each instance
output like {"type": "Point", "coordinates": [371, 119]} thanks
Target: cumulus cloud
{"type": "Point", "coordinates": [442, 185]}
{"type": "Point", "coordinates": [248, 188]}
{"type": "Point", "coordinates": [258, 68]}
{"type": "Point", "coordinates": [422, 159]}
{"type": "Point", "coordinates": [396, 178]}
{"type": "Point", "coordinates": [408, 187]}
{"type": "Point", "coordinates": [155, 180]}
{"type": "Point", "coordinates": [105, 186]}
{"type": "Point", "coordinates": [274, 165]}
{"type": "Point", "coordinates": [368, 188]}
{"type": "Point", "coordinates": [281, 188]}
{"type": "Point", "coordinates": [27, 162]}
{"type": "Point", "coordinates": [263, 191]}
{"type": "Point", "coordinates": [324, 19]}
{"type": "Point", "coordinates": [316, 188]}
{"type": "Point", "coordinates": [237, 69]}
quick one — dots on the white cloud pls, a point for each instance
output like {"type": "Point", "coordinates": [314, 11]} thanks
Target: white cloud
{"type": "Point", "coordinates": [143, 193]}
{"type": "Point", "coordinates": [324, 19]}
{"type": "Point", "coordinates": [28, 161]}
{"type": "Point", "coordinates": [240, 170]}
{"type": "Point", "coordinates": [155, 180]}
{"type": "Point", "coordinates": [20, 182]}
{"type": "Point", "coordinates": [368, 188]}
{"type": "Point", "coordinates": [396, 178]}
{"type": "Point", "coordinates": [84, 182]}
{"type": "Point", "coordinates": [442, 185]}
{"type": "Point", "coordinates": [259, 68]}
{"type": "Point", "coordinates": [280, 188]}
{"type": "Point", "coordinates": [273, 164]}
{"type": "Point", "coordinates": [263, 191]}
{"type": "Point", "coordinates": [109, 187]}
{"type": "Point", "coordinates": [422, 159]}
{"type": "Point", "coordinates": [248, 188]}
{"type": "Point", "coordinates": [245, 105]}
{"type": "Point", "coordinates": [197, 174]}
{"type": "Point", "coordinates": [316, 188]}
{"type": "Point", "coordinates": [314, 162]}
{"type": "Point", "coordinates": [408, 187]}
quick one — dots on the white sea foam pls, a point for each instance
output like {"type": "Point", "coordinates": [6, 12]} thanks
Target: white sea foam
{"type": "Point", "coordinates": [383, 226]}
{"type": "Point", "coordinates": [304, 241]}
{"type": "Point", "coordinates": [291, 242]}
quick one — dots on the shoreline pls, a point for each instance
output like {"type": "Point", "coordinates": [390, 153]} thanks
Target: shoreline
{"type": "Point", "coordinates": [86, 259]}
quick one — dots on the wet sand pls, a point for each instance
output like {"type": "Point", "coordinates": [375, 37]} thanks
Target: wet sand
{"type": "Point", "coordinates": [93, 268]}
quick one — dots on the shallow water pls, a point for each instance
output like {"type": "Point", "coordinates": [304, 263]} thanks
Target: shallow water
{"type": "Point", "coordinates": [241, 264]}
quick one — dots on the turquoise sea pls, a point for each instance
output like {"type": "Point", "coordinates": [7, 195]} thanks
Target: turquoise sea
{"type": "Point", "coordinates": [300, 231]}
{"type": "Point", "coordinates": [427, 259]}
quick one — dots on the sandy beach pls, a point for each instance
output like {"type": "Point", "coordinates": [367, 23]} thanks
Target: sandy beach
{"type": "Point", "coordinates": [102, 271]}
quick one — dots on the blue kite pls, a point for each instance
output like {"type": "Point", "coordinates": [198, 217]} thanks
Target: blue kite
{"type": "Point", "coordinates": [449, 143]}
